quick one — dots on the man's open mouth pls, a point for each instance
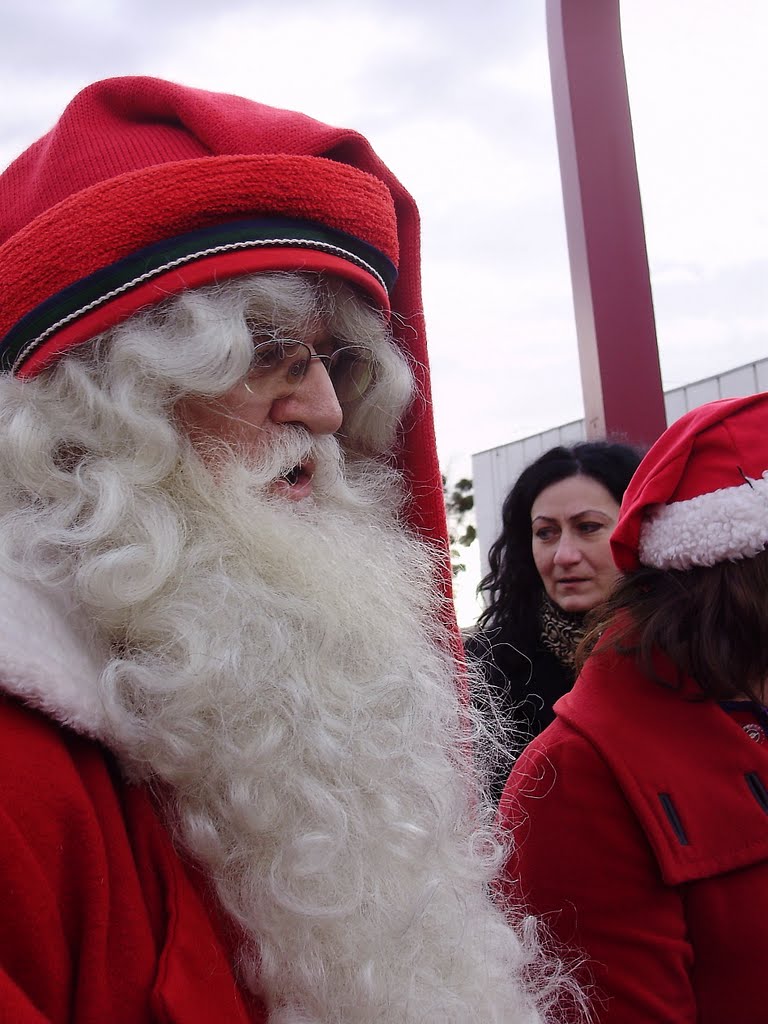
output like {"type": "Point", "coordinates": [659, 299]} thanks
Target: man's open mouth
{"type": "Point", "coordinates": [296, 483]}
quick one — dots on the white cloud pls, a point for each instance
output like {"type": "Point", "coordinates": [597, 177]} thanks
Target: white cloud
{"type": "Point", "coordinates": [698, 81]}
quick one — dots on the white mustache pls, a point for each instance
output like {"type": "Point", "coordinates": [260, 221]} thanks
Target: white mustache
{"type": "Point", "coordinates": [290, 446]}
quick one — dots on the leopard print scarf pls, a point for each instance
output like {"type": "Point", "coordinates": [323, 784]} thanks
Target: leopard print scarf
{"type": "Point", "coordinates": [560, 632]}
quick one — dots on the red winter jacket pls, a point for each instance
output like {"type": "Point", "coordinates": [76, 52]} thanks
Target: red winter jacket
{"type": "Point", "coordinates": [641, 821]}
{"type": "Point", "coordinates": [101, 921]}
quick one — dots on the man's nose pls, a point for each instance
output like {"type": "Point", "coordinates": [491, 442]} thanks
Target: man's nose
{"type": "Point", "coordinates": [312, 405]}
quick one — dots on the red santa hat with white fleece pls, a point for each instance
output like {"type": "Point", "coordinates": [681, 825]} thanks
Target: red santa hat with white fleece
{"type": "Point", "coordinates": [700, 495]}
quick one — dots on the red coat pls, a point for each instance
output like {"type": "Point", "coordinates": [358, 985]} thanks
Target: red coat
{"type": "Point", "coordinates": [641, 821]}
{"type": "Point", "coordinates": [101, 921]}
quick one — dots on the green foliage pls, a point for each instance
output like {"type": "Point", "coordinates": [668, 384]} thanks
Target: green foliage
{"type": "Point", "coordinates": [459, 504]}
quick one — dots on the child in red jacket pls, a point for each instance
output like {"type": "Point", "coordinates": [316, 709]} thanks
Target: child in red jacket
{"type": "Point", "coordinates": [641, 814]}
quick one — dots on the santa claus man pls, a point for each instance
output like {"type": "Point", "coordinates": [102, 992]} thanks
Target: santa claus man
{"type": "Point", "coordinates": [236, 777]}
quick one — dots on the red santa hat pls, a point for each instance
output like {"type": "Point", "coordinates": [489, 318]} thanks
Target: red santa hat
{"type": "Point", "coordinates": [144, 188]}
{"type": "Point", "coordinates": [700, 495]}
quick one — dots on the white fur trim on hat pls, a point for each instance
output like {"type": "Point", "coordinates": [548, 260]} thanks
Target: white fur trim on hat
{"type": "Point", "coordinates": [723, 525]}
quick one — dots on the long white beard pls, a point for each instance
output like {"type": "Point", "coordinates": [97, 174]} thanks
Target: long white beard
{"type": "Point", "coordinates": [291, 685]}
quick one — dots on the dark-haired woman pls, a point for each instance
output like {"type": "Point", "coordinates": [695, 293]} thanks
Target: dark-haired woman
{"type": "Point", "coordinates": [640, 815]}
{"type": "Point", "coordinates": [550, 566]}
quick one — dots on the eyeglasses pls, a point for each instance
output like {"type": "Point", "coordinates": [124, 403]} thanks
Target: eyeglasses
{"type": "Point", "coordinates": [284, 364]}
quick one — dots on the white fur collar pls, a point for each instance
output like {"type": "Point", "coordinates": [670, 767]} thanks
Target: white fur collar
{"type": "Point", "coordinates": [48, 657]}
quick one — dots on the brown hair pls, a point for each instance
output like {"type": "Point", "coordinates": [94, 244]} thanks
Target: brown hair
{"type": "Point", "coordinates": [711, 621]}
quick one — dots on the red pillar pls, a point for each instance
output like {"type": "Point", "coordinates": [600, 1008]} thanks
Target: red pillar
{"type": "Point", "coordinates": [620, 374]}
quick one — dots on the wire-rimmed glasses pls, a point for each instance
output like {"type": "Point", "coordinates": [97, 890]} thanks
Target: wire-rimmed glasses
{"type": "Point", "coordinates": [284, 363]}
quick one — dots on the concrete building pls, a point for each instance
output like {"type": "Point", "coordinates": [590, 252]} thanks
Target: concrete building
{"type": "Point", "coordinates": [495, 470]}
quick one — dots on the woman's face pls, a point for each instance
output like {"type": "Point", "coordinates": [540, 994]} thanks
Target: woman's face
{"type": "Point", "coordinates": [571, 525]}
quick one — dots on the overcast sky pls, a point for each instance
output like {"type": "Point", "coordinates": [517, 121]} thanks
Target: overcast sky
{"type": "Point", "coordinates": [456, 99]}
